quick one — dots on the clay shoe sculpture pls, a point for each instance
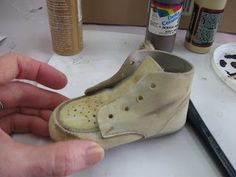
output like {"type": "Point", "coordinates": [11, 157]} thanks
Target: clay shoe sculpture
{"type": "Point", "coordinates": [147, 97]}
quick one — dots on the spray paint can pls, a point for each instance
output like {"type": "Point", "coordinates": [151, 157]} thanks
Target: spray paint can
{"type": "Point", "coordinates": [203, 25]}
{"type": "Point", "coordinates": [163, 22]}
{"type": "Point", "coordinates": [65, 21]}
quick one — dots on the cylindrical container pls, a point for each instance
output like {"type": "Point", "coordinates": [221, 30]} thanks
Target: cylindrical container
{"type": "Point", "coordinates": [65, 21]}
{"type": "Point", "coordinates": [203, 25]}
{"type": "Point", "coordinates": [163, 22]}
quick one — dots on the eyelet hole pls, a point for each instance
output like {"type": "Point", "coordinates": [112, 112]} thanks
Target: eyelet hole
{"type": "Point", "coordinates": [126, 108]}
{"type": "Point", "coordinates": [140, 98]}
{"type": "Point", "coordinates": [153, 85]}
{"type": "Point", "coordinates": [131, 62]}
{"type": "Point", "coordinates": [110, 116]}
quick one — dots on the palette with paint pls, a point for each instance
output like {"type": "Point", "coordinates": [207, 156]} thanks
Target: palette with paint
{"type": "Point", "coordinates": [224, 63]}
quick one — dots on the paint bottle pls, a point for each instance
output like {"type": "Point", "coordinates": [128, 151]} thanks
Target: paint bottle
{"type": "Point", "coordinates": [203, 25]}
{"type": "Point", "coordinates": [163, 22]}
{"type": "Point", "coordinates": [65, 21]}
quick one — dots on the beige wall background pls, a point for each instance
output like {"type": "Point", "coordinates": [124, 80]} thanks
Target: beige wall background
{"type": "Point", "coordinates": [134, 12]}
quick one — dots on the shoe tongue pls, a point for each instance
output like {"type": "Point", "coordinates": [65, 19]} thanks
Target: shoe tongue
{"type": "Point", "coordinates": [149, 65]}
{"type": "Point", "coordinates": [152, 64]}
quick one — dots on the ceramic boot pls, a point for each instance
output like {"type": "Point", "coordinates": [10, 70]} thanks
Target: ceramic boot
{"type": "Point", "coordinates": [147, 97]}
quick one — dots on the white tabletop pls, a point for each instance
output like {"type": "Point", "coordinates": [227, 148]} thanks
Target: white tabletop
{"type": "Point", "coordinates": [180, 154]}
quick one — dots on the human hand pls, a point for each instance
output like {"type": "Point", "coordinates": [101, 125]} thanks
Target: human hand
{"type": "Point", "coordinates": [25, 108]}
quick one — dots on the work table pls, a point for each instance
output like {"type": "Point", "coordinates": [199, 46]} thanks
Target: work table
{"type": "Point", "coordinates": [180, 154]}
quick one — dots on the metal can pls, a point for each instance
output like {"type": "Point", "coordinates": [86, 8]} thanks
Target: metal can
{"type": "Point", "coordinates": [164, 16]}
{"type": "Point", "coordinates": [65, 21]}
{"type": "Point", "coordinates": [203, 25]}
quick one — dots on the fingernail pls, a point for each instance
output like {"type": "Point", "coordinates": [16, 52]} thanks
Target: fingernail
{"type": "Point", "coordinates": [94, 154]}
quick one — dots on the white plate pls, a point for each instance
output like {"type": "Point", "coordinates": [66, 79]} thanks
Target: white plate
{"type": "Point", "coordinates": [222, 63]}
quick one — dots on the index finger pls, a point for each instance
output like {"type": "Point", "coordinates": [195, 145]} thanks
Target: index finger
{"type": "Point", "coordinates": [15, 66]}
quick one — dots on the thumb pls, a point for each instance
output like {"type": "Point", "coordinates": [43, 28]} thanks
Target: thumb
{"type": "Point", "coordinates": [4, 138]}
{"type": "Point", "coordinates": [65, 158]}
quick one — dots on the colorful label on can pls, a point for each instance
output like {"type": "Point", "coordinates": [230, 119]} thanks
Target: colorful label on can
{"type": "Point", "coordinates": [164, 19]}
{"type": "Point", "coordinates": [203, 26]}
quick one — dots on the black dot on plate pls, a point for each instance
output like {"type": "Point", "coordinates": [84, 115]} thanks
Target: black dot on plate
{"type": "Point", "coordinates": [233, 64]}
{"type": "Point", "coordinates": [230, 56]}
{"type": "Point", "coordinates": [223, 63]}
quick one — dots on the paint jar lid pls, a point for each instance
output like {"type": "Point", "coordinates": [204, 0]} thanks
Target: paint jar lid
{"type": "Point", "coordinates": [224, 63]}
